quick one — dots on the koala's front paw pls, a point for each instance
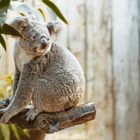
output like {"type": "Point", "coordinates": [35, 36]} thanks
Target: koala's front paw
{"type": "Point", "coordinates": [5, 117]}
{"type": "Point", "coordinates": [31, 114]}
{"type": "Point", "coordinates": [5, 102]}
{"type": "Point", "coordinates": [2, 103]}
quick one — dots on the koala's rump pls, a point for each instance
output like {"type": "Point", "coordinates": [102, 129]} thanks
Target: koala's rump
{"type": "Point", "coordinates": [61, 92]}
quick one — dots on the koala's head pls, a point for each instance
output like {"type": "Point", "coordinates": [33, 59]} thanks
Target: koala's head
{"type": "Point", "coordinates": [36, 36]}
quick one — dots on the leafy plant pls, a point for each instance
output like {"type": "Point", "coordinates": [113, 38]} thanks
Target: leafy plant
{"type": "Point", "coordinates": [4, 4]}
{"type": "Point", "coordinates": [55, 10]}
{"type": "Point", "coordinates": [7, 131]}
{"type": "Point", "coordinates": [6, 82]}
{"type": "Point", "coordinates": [3, 11]}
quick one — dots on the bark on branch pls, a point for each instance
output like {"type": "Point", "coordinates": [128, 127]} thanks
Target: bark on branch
{"type": "Point", "coordinates": [53, 122]}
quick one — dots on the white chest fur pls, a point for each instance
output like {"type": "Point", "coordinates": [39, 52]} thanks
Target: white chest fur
{"type": "Point", "coordinates": [21, 57]}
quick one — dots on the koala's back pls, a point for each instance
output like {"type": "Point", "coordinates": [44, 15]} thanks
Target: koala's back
{"type": "Point", "coordinates": [64, 80]}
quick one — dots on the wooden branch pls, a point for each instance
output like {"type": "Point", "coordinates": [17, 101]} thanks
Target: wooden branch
{"type": "Point", "coordinates": [53, 122]}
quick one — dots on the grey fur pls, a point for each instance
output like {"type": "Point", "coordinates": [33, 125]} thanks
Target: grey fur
{"type": "Point", "coordinates": [52, 78]}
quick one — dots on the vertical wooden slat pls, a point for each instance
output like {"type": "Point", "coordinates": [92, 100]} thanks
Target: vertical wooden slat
{"type": "Point", "coordinates": [62, 37]}
{"type": "Point", "coordinates": [3, 61]}
{"type": "Point", "coordinates": [76, 28]}
{"type": "Point", "coordinates": [100, 67]}
{"type": "Point", "coordinates": [126, 55]}
{"type": "Point", "coordinates": [86, 49]}
{"type": "Point", "coordinates": [10, 60]}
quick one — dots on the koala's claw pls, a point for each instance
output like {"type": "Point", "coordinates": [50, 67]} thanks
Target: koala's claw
{"type": "Point", "coordinates": [31, 114]}
{"type": "Point", "coordinates": [54, 128]}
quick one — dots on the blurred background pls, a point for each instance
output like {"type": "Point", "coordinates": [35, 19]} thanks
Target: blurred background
{"type": "Point", "coordinates": [104, 35]}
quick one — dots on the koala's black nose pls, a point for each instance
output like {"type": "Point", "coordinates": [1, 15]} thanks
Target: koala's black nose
{"type": "Point", "coordinates": [44, 42]}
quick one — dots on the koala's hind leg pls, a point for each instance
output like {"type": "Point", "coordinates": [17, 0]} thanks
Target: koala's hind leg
{"type": "Point", "coordinates": [42, 88]}
{"type": "Point", "coordinates": [43, 94]}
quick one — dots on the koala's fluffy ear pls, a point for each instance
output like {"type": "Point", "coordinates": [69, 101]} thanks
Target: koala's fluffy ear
{"type": "Point", "coordinates": [19, 23]}
{"type": "Point", "coordinates": [54, 27]}
{"type": "Point", "coordinates": [17, 20]}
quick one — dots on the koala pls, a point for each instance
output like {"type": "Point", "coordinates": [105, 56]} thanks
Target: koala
{"type": "Point", "coordinates": [47, 74]}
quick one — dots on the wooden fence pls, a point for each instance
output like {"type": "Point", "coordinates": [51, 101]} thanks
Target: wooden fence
{"type": "Point", "coordinates": [105, 37]}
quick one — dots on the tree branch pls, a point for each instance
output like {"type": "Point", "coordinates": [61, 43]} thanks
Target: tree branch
{"type": "Point", "coordinates": [53, 122]}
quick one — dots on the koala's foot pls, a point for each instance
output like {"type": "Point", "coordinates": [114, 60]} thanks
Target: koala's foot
{"type": "Point", "coordinates": [31, 114]}
{"type": "Point", "coordinates": [54, 128]}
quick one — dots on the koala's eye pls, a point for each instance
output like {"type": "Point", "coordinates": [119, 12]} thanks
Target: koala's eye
{"type": "Point", "coordinates": [33, 37]}
{"type": "Point", "coordinates": [19, 23]}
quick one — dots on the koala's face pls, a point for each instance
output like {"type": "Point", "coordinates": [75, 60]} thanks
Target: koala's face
{"type": "Point", "coordinates": [36, 36]}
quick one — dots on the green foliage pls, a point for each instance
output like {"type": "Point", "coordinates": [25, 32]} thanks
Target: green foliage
{"type": "Point", "coordinates": [2, 41]}
{"type": "Point", "coordinates": [4, 4]}
{"type": "Point", "coordinates": [42, 13]}
{"type": "Point", "coordinates": [18, 132]}
{"type": "Point", "coordinates": [6, 131]}
{"type": "Point", "coordinates": [4, 28]}
{"type": "Point", "coordinates": [55, 10]}
{"type": "Point", "coordinates": [15, 131]}
{"type": "Point", "coordinates": [6, 82]}
{"type": "Point", "coordinates": [9, 30]}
